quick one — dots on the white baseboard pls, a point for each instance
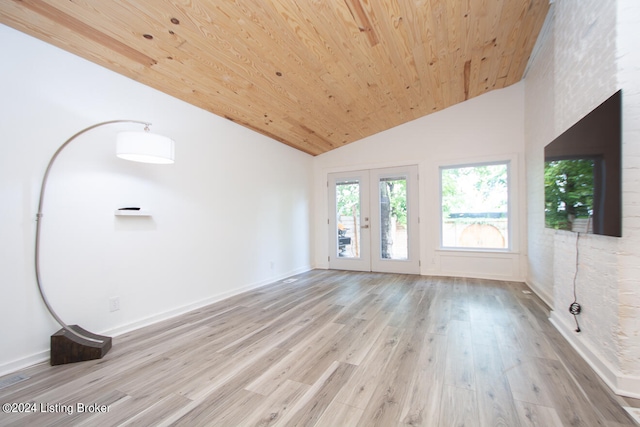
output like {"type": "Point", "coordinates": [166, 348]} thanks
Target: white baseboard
{"type": "Point", "coordinates": [634, 412]}
{"type": "Point", "coordinates": [41, 357]}
{"type": "Point", "coordinates": [437, 273]}
{"type": "Point", "coordinates": [25, 362]}
{"type": "Point", "coordinates": [623, 385]}
{"type": "Point", "coordinates": [540, 292]}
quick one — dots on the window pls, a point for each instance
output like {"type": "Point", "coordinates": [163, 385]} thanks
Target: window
{"type": "Point", "coordinates": [475, 206]}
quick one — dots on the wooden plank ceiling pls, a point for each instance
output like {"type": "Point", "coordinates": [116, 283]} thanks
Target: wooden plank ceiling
{"type": "Point", "coordinates": [312, 74]}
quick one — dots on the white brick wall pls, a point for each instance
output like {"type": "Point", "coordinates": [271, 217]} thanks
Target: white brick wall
{"type": "Point", "coordinates": [628, 62]}
{"type": "Point", "coordinates": [589, 53]}
{"type": "Point", "coordinates": [584, 55]}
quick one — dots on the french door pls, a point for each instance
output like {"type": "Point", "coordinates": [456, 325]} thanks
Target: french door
{"type": "Point", "coordinates": [373, 220]}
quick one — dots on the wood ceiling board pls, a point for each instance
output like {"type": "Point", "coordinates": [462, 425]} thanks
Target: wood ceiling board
{"type": "Point", "coordinates": [527, 41]}
{"type": "Point", "coordinates": [312, 74]}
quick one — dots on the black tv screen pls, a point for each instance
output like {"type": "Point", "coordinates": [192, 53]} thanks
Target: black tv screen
{"type": "Point", "coordinates": [582, 173]}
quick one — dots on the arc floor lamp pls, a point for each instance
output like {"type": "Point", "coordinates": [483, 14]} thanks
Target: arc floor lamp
{"type": "Point", "coordinates": [72, 343]}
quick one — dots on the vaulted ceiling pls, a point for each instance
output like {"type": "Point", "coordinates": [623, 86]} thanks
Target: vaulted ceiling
{"type": "Point", "coordinates": [312, 74]}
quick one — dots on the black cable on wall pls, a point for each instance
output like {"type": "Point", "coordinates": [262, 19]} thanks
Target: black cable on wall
{"type": "Point", "coordinates": [575, 308]}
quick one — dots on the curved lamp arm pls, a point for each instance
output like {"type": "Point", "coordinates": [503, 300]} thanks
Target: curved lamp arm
{"type": "Point", "coordinates": [39, 218]}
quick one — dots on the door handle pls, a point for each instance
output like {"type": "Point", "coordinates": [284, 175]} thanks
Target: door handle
{"type": "Point", "coordinates": [364, 226]}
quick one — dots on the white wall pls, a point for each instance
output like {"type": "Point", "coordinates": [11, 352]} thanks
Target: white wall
{"type": "Point", "coordinates": [232, 213]}
{"type": "Point", "coordinates": [588, 54]}
{"type": "Point", "coordinates": [486, 128]}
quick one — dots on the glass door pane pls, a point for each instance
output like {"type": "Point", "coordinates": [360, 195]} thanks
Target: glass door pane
{"type": "Point", "coordinates": [394, 223]}
{"type": "Point", "coordinates": [349, 233]}
{"type": "Point", "coordinates": [348, 218]}
{"type": "Point", "coordinates": [393, 218]}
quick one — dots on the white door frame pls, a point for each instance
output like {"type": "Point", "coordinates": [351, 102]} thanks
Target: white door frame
{"type": "Point", "coordinates": [368, 228]}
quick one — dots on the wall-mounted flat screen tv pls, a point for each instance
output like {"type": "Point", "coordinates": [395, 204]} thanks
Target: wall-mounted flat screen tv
{"type": "Point", "coordinates": [582, 173]}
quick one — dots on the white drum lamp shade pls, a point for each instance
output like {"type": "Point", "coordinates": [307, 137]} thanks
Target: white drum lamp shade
{"type": "Point", "coordinates": [145, 147]}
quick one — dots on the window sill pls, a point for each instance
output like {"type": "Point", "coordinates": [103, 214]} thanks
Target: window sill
{"type": "Point", "coordinates": [478, 251]}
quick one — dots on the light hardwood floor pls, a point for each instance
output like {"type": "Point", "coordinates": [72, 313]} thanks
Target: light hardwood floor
{"type": "Point", "coordinates": [337, 348]}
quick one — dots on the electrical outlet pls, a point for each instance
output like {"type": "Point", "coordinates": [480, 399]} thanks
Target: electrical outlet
{"type": "Point", "coordinates": [114, 304]}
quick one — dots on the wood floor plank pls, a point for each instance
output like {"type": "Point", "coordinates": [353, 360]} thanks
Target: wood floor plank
{"type": "Point", "coordinates": [459, 370]}
{"type": "Point", "coordinates": [301, 357]}
{"type": "Point", "coordinates": [386, 403]}
{"type": "Point", "coordinates": [275, 406]}
{"type": "Point", "coordinates": [310, 408]}
{"type": "Point", "coordinates": [395, 293]}
{"type": "Point", "coordinates": [537, 416]}
{"type": "Point", "coordinates": [154, 413]}
{"type": "Point", "coordinates": [575, 409]}
{"type": "Point", "coordinates": [339, 414]}
{"type": "Point", "coordinates": [459, 302]}
{"type": "Point", "coordinates": [530, 338]}
{"type": "Point", "coordinates": [359, 389]}
{"type": "Point", "coordinates": [123, 410]}
{"type": "Point", "coordinates": [334, 349]}
{"type": "Point", "coordinates": [211, 367]}
{"type": "Point", "coordinates": [526, 381]}
{"type": "Point", "coordinates": [508, 338]}
{"type": "Point", "coordinates": [422, 405]}
{"type": "Point", "coordinates": [440, 312]}
{"type": "Point", "coordinates": [358, 346]}
{"type": "Point", "coordinates": [458, 407]}
{"type": "Point", "coordinates": [216, 410]}
{"type": "Point", "coordinates": [315, 320]}
{"type": "Point", "coordinates": [352, 310]}
{"type": "Point", "coordinates": [337, 348]}
{"type": "Point", "coordinates": [482, 329]}
{"type": "Point", "coordinates": [244, 366]}
{"type": "Point", "coordinates": [496, 405]}
{"type": "Point", "coordinates": [226, 391]}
